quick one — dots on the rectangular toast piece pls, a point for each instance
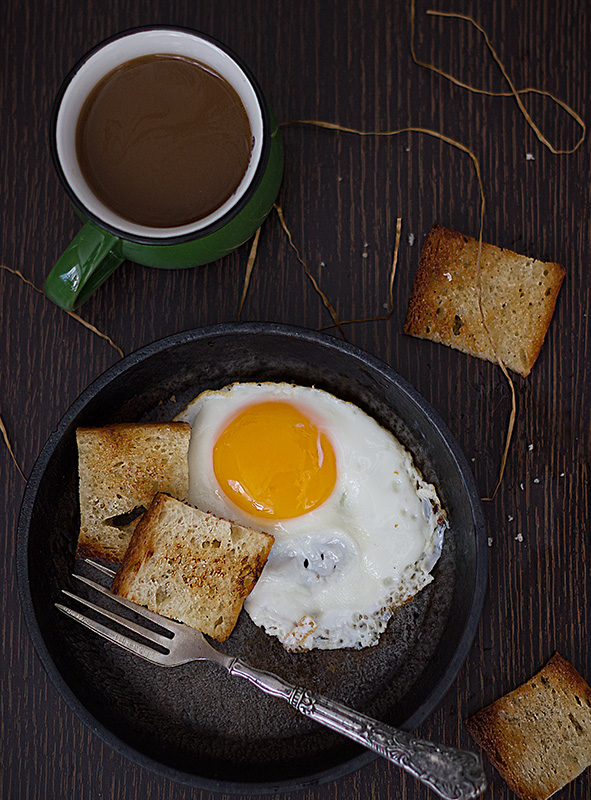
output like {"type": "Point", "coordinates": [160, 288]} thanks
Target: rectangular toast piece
{"type": "Point", "coordinates": [518, 298]}
{"type": "Point", "coordinates": [539, 735]}
{"type": "Point", "coordinates": [121, 467]}
{"type": "Point", "coordinates": [191, 566]}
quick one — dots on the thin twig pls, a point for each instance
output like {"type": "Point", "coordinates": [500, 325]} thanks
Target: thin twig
{"type": "Point", "coordinates": [70, 313]}
{"type": "Point", "coordinates": [515, 93]}
{"type": "Point", "coordinates": [96, 330]}
{"type": "Point", "coordinates": [9, 446]}
{"type": "Point", "coordinates": [391, 287]}
{"type": "Point", "coordinates": [249, 267]}
{"type": "Point", "coordinates": [324, 298]}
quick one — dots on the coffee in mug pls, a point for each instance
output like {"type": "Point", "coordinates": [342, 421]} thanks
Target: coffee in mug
{"type": "Point", "coordinates": [163, 140]}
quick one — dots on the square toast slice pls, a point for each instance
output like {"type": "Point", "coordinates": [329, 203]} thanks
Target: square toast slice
{"type": "Point", "coordinates": [191, 566]}
{"type": "Point", "coordinates": [539, 735]}
{"type": "Point", "coordinates": [518, 298]}
{"type": "Point", "coordinates": [121, 467]}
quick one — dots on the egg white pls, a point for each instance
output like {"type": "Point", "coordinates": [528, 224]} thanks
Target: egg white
{"type": "Point", "coordinates": [335, 574]}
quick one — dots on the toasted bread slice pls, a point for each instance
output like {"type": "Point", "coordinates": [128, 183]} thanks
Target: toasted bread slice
{"type": "Point", "coordinates": [192, 566]}
{"type": "Point", "coordinates": [539, 736]}
{"type": "Point", "coordinates": [518, 298]}
{"type": "Point", "coordinates": [121, 467]}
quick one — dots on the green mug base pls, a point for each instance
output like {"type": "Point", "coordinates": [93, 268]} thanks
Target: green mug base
{"type": "Point", "coordinates": [95, 253]}
{"type": "Point", "coordinates": [220, 243]}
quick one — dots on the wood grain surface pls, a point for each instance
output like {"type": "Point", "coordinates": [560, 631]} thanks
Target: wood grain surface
{"type": "Point", "coordinates": [347, 62]}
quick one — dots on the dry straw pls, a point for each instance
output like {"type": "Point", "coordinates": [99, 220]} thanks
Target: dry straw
{"type": "Point", "coordinates": [9, 446]}
{"type": "Point", "coordinates": [390, 305]}
{"type": "Point", "coordinates": [90, 327]}
{"type": "Point", "coordinates": [323, 297]}
{"type": "Point", "coordinates": [249, 267]}
{"type": "Point", "coordinates": [513, 92]}
{"type": "Point", "coordinates": [70, 313]}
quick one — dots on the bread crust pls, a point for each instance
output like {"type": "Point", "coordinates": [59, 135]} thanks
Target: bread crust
{"type": "Point", "coordinates": [121, 467]}
{"type": "Point", "coordinates": [518, 298]}
{"type": "Point", "coordinates": [192, 566]}
{"type": "Point", "coordinates": [539, 735]}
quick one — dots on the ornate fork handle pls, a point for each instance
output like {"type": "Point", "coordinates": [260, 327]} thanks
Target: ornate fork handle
{"type": "Point", "coordinates": [454, 774]}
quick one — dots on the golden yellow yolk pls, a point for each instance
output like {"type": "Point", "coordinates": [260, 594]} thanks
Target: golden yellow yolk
{"type": "Point", "coordinates": [273, 462]}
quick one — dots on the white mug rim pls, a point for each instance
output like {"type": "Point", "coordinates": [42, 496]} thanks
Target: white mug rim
{"type": "Point", "coordinates": [85, 200]}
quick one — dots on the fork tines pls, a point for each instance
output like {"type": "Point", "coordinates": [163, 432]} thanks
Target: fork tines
{"type": "Point", "coordinates": [160, 640]}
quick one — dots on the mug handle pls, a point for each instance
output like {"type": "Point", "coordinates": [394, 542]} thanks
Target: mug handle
{"type": "Point", "coordinates": [90, 258]}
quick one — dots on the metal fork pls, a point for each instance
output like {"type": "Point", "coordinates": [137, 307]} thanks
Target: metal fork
{"type": "Point", "coordinates": [454, 774]}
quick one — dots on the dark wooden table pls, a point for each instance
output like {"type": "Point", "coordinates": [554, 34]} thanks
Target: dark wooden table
{"type": "Point", "coordinates": [346, 62]}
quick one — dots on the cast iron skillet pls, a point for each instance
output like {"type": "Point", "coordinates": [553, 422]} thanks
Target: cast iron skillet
{"type": "Point", "coordinates": [194, 723]}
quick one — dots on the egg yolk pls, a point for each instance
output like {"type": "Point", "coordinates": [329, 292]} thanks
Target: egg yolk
{"type": "Point", "coordinates": [273, 462]}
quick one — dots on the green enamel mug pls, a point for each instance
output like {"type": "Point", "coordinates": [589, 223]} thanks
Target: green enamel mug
{"type": "Point", "coordinates": [106, 239]}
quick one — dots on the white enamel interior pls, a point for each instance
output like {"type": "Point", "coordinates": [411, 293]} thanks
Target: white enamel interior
{"type": "Point", "coordinates": [111, 55]}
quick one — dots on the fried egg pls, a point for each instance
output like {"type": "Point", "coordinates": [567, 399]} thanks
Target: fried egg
{"type": "Point", "coordinates": [357, 529]}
